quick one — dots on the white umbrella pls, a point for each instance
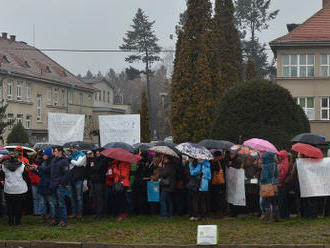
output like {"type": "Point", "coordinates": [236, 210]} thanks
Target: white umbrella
{"type": "Point", "coordinates": [164, 150]}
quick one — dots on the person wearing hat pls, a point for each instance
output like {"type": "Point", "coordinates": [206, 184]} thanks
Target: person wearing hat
{"type": "Point", "coordinates": [78, 161]}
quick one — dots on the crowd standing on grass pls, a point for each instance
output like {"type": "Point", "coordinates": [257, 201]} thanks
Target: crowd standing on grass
{"type": "Point", "coordinates": [58, 185]}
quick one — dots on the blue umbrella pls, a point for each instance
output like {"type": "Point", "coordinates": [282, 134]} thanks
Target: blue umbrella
{"type": "Point", "coordinates": [122, 145]}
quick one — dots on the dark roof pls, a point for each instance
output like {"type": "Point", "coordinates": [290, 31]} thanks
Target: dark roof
{"type": "Point", "coordinates": [315, 29]}
{"type": "Point", "coordinates": [20, 58]}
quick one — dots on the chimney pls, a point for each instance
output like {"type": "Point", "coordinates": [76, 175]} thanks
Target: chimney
{"type": "Point", "coordinates": [4, 35]}
{"type": "Point", "coordinates": [326, 4]}
{"type": "Point", "coordinates": [13, 38]}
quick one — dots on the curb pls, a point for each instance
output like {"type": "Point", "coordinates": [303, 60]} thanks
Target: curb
{"type": "Point", "coordinates": [59, 244]}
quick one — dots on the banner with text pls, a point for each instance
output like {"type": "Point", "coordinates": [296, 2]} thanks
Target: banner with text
{"type": "Point", "coordinates": [119, 128]}
{"type": "Point", "coordinates": [63, 128]}
{"type": "Point", "coordinates": [314, 177]}
{"type": "Point", "coordinates": [235, 186]}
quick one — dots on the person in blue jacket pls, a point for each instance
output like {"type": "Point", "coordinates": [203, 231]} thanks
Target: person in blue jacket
{"type": "Point", "coordinates": [59, 180]}
{"type": "Point", "coordinates": [270, 175]}
{"type": "Point", "coordinates": [201, 197]}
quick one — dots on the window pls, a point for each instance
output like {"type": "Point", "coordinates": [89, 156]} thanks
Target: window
{"type": "Point", "coordinates": [49, 96]}
{"type": "Point", "coordinates": [100, 96]}
{"type": "Point", "coordinates": [298, 65]}
{"type": "Point", "coordinates": [55, 97]}
{"type": "Point", "coordinates": [28, 122]}
{"type": "Point", "coordinates": [325, 65]}
{"type": "Point", "coordinates": [10, 118]}
{"type": "Point", "coordinates": [28, 92]}
{"type": "Point", "coordinates": [10, 89]}
{"type": "Point", "coordinates": [95, 96]}
{"type": "Point", "coordinates": [20, 118]}
{"type": "Point", "coordinates": [39, 102]}
{"type": "Point", "coordinates": [63, 97]}
{"type": "Point", "coordinates": [81, 98]}
{"type": "Point", "coordinates": [108, 97]}
{"type": "Point", "coordinates": [103, 96]}
{"type": "Point", "coordinates": [89, 97]}
{"type": "Point", "coordinates": [325, 108]}
{"type": "Point", "coordinates": [70, 96]}
{"type": "Point", "coordinates": [307, 104]}
{"type": "Point", "coordinates": [19, 91]}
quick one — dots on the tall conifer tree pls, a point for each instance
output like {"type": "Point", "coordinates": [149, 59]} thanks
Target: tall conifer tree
{"type": "Point", "coordinates": [187, 86]}
{"type": "Point", "coordinates": [227, 45]}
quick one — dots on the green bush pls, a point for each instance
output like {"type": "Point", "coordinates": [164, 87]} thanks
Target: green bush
{"type": "Point", "coordinates": [18, 134]}
{"type": "Point", "coordinates": [259, 109]}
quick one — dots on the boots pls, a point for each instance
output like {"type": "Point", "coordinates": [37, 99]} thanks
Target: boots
{"type": "Point", "coordinates": [267, 216]}
{"type": "Point", "coordinates": [276, 216]}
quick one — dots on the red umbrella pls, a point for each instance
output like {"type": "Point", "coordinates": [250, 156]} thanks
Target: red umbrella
{"type": "Point", "coordinates": [120, 154]}
{"type": "Point", "coordinates": [307, 150]}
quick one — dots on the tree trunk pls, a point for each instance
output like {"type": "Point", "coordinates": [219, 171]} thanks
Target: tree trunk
{"type": "Point", "coordinates": [149, 96]}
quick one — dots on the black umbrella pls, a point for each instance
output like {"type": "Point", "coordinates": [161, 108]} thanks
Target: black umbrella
{"type": "Point", "coordinates": [309, 138]}
{"type": "Point", "coordinates": [168, 144]}
{"type": "Point", "coordinates": [123, 145]}
{"type": "Point", "coordinates": [216, 144]}
{"type": "Point", "coordinates": [142, 146]}
{"type": "Point", "coordinates": [81, 145]}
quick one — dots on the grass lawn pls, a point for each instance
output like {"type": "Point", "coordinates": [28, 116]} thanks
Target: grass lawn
{"type": "Point", "coordinates": [178, 230]}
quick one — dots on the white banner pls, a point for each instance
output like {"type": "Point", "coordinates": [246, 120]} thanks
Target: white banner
{"type": "Point", "coordinates": [63, 128]}
{"type": "Point", "coordinates": [314, 177]}
{"type": "Point", "coordinates": [235, 186]}
{"type": "Point", "coordinates": [119, 128]}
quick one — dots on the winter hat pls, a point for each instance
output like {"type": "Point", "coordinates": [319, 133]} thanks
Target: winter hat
{"type": "Point", "coordinates": [48, 152]}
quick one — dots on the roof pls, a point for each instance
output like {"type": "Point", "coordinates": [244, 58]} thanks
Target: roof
{"type": "Point", "coordinates": [98, 80]}
{"type": "Point", "coordinates": [25, 60]}
{"type": "Point", "coordinates": [315, 29]}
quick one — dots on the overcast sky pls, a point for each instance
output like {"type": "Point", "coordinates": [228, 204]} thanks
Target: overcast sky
{"type": "Point", "coordinates": [101, 24]}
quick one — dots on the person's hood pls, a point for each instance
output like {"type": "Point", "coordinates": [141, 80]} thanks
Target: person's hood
{"type": "Point", "coordinates": [12, 164]}
{"type": "Point", "coordinates": [268, 158]}
{"type": "Point", "coordinates": [21, 151]}
{"type": "Point", "coordinates": [284, 155]}
{"type": "Point", "coordinates": [48, 152]}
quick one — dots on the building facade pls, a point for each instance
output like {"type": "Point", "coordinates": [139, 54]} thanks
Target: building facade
{"type": "Point", "coordinates": [32, 85]}
{"type": "Point", "coordinates": [303, 67]}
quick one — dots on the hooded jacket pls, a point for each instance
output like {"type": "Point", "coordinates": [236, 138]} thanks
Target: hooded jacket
{"type": "Point", "coordinates": [14, 181]}
{"type": "Point", "coordinates": [203, 168]}
{"type": "Point", "coordinates": [269, 172]}
{"type": "Point", "coordinates": [284, 166]}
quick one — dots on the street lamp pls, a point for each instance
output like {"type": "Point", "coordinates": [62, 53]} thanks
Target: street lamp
{"type": "Point", "coordinates": [2, 87]}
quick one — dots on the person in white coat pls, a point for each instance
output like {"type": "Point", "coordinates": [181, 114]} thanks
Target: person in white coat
{"type": "Point", "coordinates": [78, 162]}
{"type": "Point", "coordinates": [15, 188]}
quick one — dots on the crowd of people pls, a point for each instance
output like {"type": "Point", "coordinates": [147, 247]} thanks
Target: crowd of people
{"type": "Point", "coordinates": [53, 184]}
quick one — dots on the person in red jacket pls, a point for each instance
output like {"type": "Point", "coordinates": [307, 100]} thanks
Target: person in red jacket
{"type": "Point", "coordinates": [109, 195]}
{"type": "Point", "coordinates": [121, 176]}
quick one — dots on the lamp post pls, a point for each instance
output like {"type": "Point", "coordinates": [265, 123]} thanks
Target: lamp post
{"type": "Point", "coordinates": [2, 87]}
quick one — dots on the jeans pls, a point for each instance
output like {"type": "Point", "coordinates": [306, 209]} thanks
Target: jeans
{"type": "Point", "coordinates": [60, 210]}
{"type": "Point", "coordinates": [51, 200]}
{"type": "Point", "coordinates": [15, 205]}
{"type": "Point", "coordinates": [38, 201]}
{"type": "Point", "coordinates": [99, 199]}
{"type": "Point", "coordinates": [76, 192]}
{"type": "Point", "coordinates": [130, 202]}
{"type": "Point", "coordinates": [166, 204]}
{"type": "Point", "coordinates": [200, 199]}
{"type": "Point", "coordinates": [262, 202]}
{"type": "Point", "coordinates": [3, 207]}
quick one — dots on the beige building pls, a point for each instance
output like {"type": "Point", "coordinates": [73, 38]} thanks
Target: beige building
{"type": "Point", "coordinates": [32, 85]}
{"type": "Point", "coordinates": [303, 67]}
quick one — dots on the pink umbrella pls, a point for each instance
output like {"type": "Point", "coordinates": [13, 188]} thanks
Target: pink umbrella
{"type": "Point", "coordinates": [261, 145]}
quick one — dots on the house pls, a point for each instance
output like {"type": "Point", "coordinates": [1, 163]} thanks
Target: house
{"type": "Point", "coordinates": [32, 84]}
{"type": "Point", "coordinates": [303, 67]}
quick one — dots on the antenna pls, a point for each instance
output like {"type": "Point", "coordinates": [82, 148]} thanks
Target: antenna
{"type": "Point", "coordinates": [34, 36]}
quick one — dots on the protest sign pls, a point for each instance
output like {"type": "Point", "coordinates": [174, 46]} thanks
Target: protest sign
{"type": "Point", "coordinates": [119, 128]}
{"type": "Point", "coordinates": [314, 177]}
{"type": "Point", "coordinates": [63, 128]}
{"type": "Point", "coordinates": [207, 235]}
{"type": "Point", "coordinates": [153, 191]}
{"type": "Point", "coordinates": [235, 186]}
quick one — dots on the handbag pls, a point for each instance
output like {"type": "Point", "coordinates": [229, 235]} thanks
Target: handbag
{"type": "Point", "coordinates": [118, 187]}
{"type": "Point", "coordinates": [218, 176]}
{"type": "Point", "coordinates": [269, 190]}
